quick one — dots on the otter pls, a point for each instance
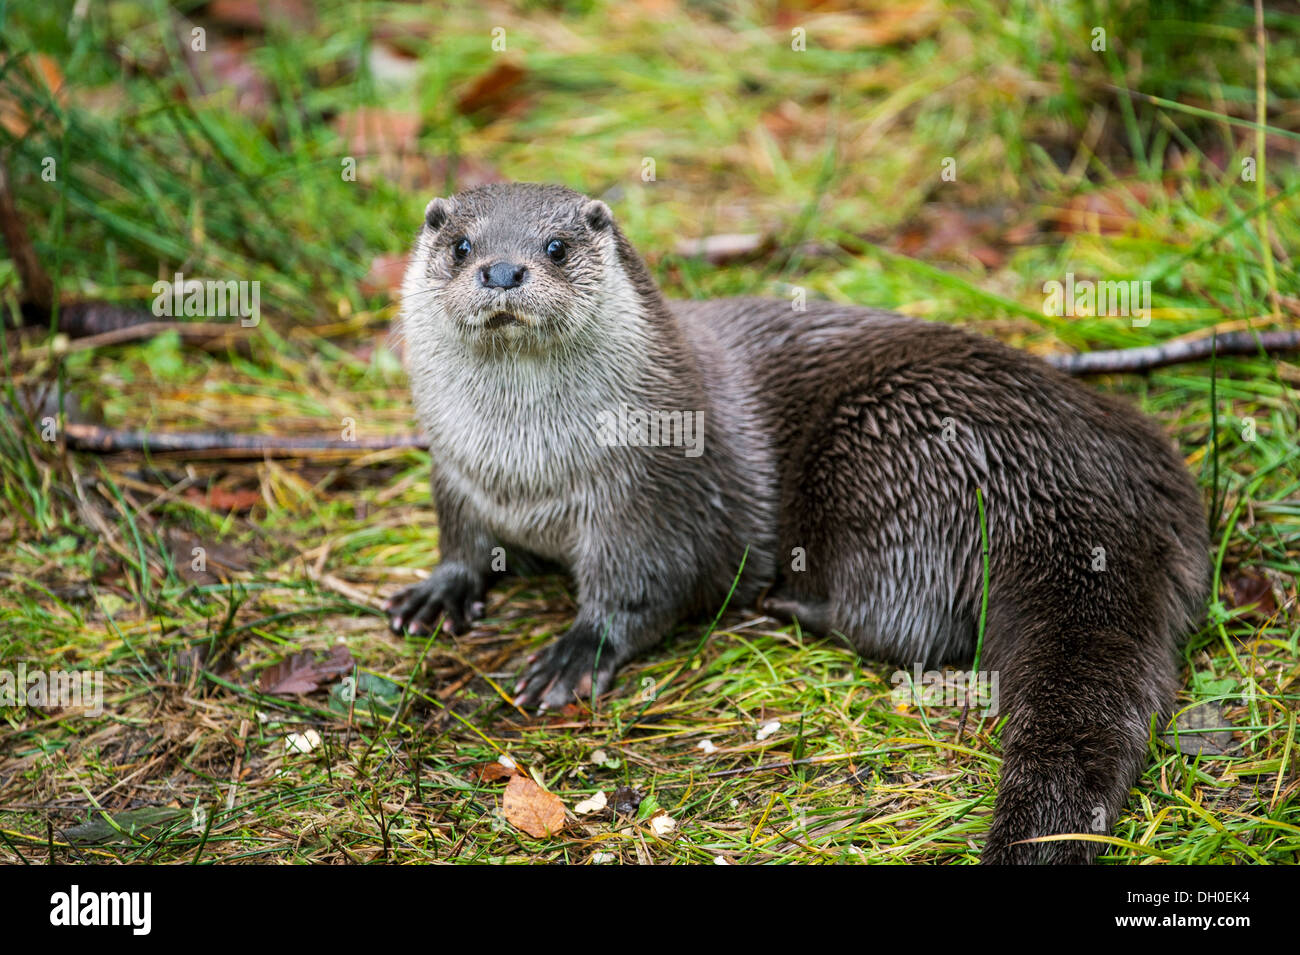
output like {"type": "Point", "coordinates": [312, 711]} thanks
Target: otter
{"type": "Point", "coordinates": [837, 455]}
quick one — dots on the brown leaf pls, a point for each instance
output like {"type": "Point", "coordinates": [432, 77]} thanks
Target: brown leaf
{"type": "Point", "coordinates": [303, 673]}
{"type": "Point", "coordinates": [493, 90]}
{"type": "Point", "coordinates": [1248, 586]}
{"type": "Point", "coordinates": [494, 771]}
{"type": "Point", "coordinates": [529, 807]}
{"type": "Point", "coordinates": [220, 499]}
{"type": "Point", "coordinates": [626, 800]}
{"type": "Point", "coordinates": [13, 109]}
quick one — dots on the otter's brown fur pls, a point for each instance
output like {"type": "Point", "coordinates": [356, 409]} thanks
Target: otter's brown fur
{"type": "Point", "coordinates": [842, 451]}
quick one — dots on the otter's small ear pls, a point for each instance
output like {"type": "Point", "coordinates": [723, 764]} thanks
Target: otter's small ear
{"type": "Point", "coordinates": [597, 215]}
{"type": "Point", "coordinates": [437, 212]}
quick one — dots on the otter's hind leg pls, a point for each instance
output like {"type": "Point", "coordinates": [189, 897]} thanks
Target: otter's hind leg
{"type": "Point", "coordinates": [1079, 695]}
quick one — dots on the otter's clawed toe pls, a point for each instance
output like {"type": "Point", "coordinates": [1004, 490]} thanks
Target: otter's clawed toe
{"type": "Point", "coordinates": [416, 609]}
{"type": "Point", "coordinates": [563, 672]}
{"type": "Point", "coordinates": [813, 616]}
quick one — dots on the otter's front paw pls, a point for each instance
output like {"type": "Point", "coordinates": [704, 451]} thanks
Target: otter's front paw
{"type": "Point", "coordinates": [453, 589]}
{"type": "Point", "coordinates": [563, 672]}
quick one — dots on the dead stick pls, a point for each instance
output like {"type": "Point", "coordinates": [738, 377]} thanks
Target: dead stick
{"type": "Point", "coordinates": [188, 331]}
{"type": "Point", "coordinates": [1245, 344]}
{"type": "Point", "coordinates": [89, 437]}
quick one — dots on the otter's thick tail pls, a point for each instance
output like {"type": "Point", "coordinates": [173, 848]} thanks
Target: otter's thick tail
{"type": "Point", "coordinates": [1079, 697]}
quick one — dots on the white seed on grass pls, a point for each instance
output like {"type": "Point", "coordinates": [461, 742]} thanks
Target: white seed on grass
{"type": "Point", "coordinates": [768, 729]}
{"type": "Point", "coordinates": [707, 746]}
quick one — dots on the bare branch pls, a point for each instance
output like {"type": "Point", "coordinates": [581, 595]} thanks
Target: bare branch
{"type": "Point", "coordinates": [1173, 353]}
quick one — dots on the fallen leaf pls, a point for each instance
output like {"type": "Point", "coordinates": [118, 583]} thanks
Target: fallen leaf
{"type": "Point", "coordinates": [626, 800]}
{"type": "Point", "coordinates": [503, 768]}
{"type": "Point", "coordinates": [530, 808]}
{"type": "Point", "coordinates": [1248, 586]}
{"type": "Point", "coordinates": [220, 499]}
{"type": "Point", "coordinates": [593, 804]}
{"type": "Point", "coordinates": [303, 673]}
{"type": "Point", "coordinates": [493, 91]}
{"type": "Point", "coordinates": [662, 824]}
{"type": "Point", "coordinates": [41, 68]}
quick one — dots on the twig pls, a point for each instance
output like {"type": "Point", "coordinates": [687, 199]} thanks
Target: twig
{"type": "Point", "coordinates": [222, 444]}
{"type": "Point", "coordinates": [1173, 353]}
{"type": "Point", "coordinates": [197, 332]}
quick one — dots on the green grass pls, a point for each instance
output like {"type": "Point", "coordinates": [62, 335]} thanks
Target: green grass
{"type": "Point", "coordinates": [836, 154]}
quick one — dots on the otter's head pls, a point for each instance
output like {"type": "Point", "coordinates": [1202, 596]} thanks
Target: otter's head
{"type": "Point", "coordinates": [521, 265]}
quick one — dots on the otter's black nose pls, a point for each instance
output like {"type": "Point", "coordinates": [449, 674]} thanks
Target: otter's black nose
{"type": "Point", "coordinates": [502, 275]}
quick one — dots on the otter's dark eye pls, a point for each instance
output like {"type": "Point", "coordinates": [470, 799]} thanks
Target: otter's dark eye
{"type": "Point", "coordinates": [460, 250]}
{"type": "Point", "coordinates": [556, 250]}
